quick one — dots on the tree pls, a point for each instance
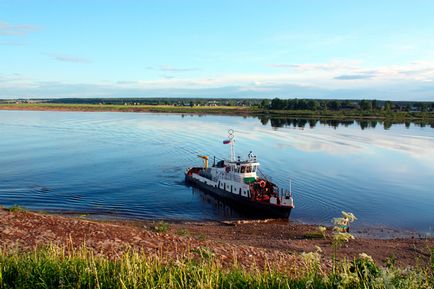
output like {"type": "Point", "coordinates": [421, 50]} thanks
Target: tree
{"type": "Point", "coordinates": [374, 104]}
{"type": "Point", "coordinates": [312, 104]}
{"type": "Point", "coordinates": [265, 103]}
{"type": "Point", "coordinates": [365, 104]}
{"type": "Point", "coordinates": [277, 103]}
{"type": "Point", "coordinates": [292, 104]}
{"type": "Point", "coordinates": [334, 105]}
{"type": "Point", "coordinates": [302, 104]}
{"type": "Point", "coordinates": [388, 106]}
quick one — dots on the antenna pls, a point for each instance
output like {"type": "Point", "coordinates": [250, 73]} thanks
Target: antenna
{"type": "Point", "coordinates": [290, 185]}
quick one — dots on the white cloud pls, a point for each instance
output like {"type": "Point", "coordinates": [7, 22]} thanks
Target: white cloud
{"type": "Point", "coordinates": [355, 70]}
{"type": "Point", "coordinates": [169, 68]}
{"type": "Point", "coordinates": [330, 66]}
{"type": "Point", "coordinates": [68, 58]}
{"type": "Point", "coordinates": [413, 81]}
{"type": "Point", "coordinates": [16, 30]}
{"type": "Point", "coordinates": [11, 43]}
{"type": "Point", "coordinates": [355, 76]}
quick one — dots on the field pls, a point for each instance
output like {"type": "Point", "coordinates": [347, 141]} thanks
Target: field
{"type": "Point", "coordinates": [129, 108]}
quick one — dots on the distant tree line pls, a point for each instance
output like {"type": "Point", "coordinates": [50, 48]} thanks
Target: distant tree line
{"type": "Point", "coordinates": [336, 105]}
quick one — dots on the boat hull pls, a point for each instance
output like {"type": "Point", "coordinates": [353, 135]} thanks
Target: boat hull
{"type": "Point", "coordinates": [243, 203]}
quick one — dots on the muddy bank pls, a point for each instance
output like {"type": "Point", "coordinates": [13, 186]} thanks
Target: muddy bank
{"type": "Point", "coordinates": [276, 242]}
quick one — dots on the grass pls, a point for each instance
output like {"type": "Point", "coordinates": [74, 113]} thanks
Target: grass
{"type": "Point", "coordinates": [160, 227]}
{"type": "Point", "coordinates": [56, 267]}
{"type": "Point", "coordinates": [199, 267]}
{"type": "Point", "coordinates": [130, 108]}
{"type": "Point", "coordinates": [319, 234]}
{"type": "Point", "coordinates": [183, 232]}
{"type": "Point", "coordinates": [16, 209]}
{"type": "Point", "coordinates": [314, 235]}
{"type": "Point", "coordinates": [201, 237]}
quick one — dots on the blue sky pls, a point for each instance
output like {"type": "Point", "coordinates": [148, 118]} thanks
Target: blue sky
{"type": "Point", "coordinates": [313, 49]}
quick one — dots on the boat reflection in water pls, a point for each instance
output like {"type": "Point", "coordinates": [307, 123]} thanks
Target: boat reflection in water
{"type": "Point", "coordinates": [220, 207]}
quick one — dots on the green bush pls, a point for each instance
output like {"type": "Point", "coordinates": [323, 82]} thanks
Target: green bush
{"type": "Point", "coordinates": [160, 227]}
{"type": "Point", "coordinates": [16, 208]}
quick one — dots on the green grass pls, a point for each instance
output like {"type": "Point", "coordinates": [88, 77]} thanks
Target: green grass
{"type": "Point", "coordinates": [55, 267]}
{"type": "Point", "coordinates": [16, 209]}
{"type": "Point", "coordinates": [320, 233]}
{"type": "Point", "coordinates": [314, 235]}
{"type": "Point", "coordinates": [183, 232]}
{"type": "Point", "coordinates": [160, 227]}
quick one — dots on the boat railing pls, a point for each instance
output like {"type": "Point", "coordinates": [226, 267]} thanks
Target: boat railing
{"type": "Point", "coordinates": [284, 193]}
{"type": "Point", "coordinates": [231, 177]}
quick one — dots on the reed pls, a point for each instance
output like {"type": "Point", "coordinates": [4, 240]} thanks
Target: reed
{"type": "Point", "coordinates": [64, 267]}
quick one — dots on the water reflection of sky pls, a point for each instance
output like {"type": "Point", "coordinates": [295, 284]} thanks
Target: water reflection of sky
{"type": "Point", "coordinates": [131, 164]}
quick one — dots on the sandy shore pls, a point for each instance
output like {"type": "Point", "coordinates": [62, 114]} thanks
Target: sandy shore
{"type": "Point", "coordinates": [276, 242]}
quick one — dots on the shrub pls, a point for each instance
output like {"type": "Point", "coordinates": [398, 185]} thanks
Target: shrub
{"type": "Point", "coordinates": [160, 227]}
{"type": "Point", "coordinates": [16, 209]}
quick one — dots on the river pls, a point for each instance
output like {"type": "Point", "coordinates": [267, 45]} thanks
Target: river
{"type": "Point", "coordinates": [131, 165]}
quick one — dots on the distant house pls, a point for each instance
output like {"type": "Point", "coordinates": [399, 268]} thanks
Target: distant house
{"type": "Point", "coordinates": [212, 103]}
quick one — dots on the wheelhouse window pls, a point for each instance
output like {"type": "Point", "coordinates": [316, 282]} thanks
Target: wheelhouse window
{"type": "Point", "coordinates": [243, 169]}
{"type": "Point", "coordinates": [253, 169]}
{"type": "Point", "coordinates": [248, 169]}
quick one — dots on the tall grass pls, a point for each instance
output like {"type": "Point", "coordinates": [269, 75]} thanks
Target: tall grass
{"type": "Point", "coordinates": [57, 267]}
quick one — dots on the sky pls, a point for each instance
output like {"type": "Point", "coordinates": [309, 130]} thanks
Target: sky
{"type": "Point", "coordinates": [261, 49]}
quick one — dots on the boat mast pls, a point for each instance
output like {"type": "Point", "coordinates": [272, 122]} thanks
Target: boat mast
{"type": "Point", "coordinates": [232, 143]}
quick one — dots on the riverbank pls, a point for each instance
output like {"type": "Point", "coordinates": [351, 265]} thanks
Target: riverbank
{"type": "Point", "coordinates": [51, 251]}
{"type": "Point", "coordinates": [227, 110]}
{"type": "Point", "coordinates": [250, 243]}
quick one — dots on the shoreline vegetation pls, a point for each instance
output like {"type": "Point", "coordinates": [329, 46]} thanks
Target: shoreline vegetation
{"type": "Point", "coordinates": [276, 118]}
{"type": "Point", "coordinates": [276, 108]}
{"type": "Point", "coordinates": [39, 250]}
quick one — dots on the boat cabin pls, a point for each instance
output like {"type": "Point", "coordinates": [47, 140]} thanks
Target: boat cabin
{"type": "Point", "coordinates": [244, 171]}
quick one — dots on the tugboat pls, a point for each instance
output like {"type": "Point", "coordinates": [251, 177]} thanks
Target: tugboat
{"type": "Point", "coordinates": [236, 181]}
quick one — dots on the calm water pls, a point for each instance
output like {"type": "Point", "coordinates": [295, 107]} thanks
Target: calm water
{"type": "Point", "coordinates": [131, 165]}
